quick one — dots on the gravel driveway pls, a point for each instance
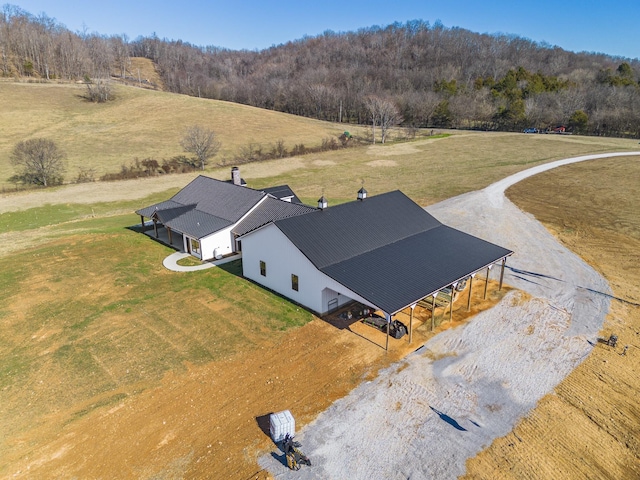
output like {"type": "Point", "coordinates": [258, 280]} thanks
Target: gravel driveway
{"type": "Point", "coordinates": [423, 418]}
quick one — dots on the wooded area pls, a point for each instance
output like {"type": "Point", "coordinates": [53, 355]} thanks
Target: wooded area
{"type": "Point", "coordinates": [434, 76]}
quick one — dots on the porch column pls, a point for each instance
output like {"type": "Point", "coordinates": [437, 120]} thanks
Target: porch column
{"type": "Point", "coordinates": [504, 261]}
{"type": "Point", "coordinates": [169, 232]}
{"type": "Point", "coordinates": [388, 317]}
{"type": "Point", "coordinates": [142, 222]}
{"type": "Point", "coordinates": [470, 290]}
{"type": "Point", "coordinates": [155, 227]}
{"type": "Point", "coordinates": [453, 289]}
{"type": "Point", "coordinates": [486, 283]}
{"type": "Point", "coordinates": [411, 323]}
{"type": "Point", "coordinates": [433, 311]}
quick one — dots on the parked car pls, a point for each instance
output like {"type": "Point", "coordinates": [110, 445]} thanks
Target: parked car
{"type": "Point", "coordinates": [530, 130]}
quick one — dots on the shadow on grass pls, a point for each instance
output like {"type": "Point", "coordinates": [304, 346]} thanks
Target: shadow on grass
{"type": "Point", "coordinates": [234, 268]}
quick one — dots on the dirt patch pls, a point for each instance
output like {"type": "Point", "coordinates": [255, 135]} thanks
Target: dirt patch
{"type": "Point", "coordinates": [396, 149]}
{"type": "Point", "coordinates": [383, 163]}
{"type": "Point", "coordinates": [208, 419]}
{"type": "Point", "coordinates": [94, 192]}
{"type": "Point", "coordinates": [323, 163]}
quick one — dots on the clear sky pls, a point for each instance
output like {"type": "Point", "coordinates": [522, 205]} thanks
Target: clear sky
{"type": "Point", "coordinates": [611, 27]}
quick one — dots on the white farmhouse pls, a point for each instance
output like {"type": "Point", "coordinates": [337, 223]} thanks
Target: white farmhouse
{"type": "Point", "coordinates": [208, 215]}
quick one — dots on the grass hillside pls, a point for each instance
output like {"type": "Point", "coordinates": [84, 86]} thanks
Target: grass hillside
{"type": "Point", "coordinates": [139, 123]}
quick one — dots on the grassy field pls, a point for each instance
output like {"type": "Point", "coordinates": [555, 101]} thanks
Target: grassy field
{"type": "Point", "coordinates": [142, 123]}
{"type": "Point", "coordinates": [92, 320]}
{"type": "Point", "coordinates": [428, 170]}
{"type": "Point", "coordinates": [94, 316]}
{"type": "Point", "coordinates": [139, 123]}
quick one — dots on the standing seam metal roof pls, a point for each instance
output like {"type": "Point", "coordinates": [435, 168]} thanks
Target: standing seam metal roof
{"type": "Point", "coordinates": [282, 191]}
{"type": "Point", "coordinates": [388, 249]}
{"type": "Point", "coordinates": [207, 205]}
{"type": "Point", "coordinates": [338, 233]}
{"type": "Point", "coordinates": [221, 199]}
{"type": "Point", "coordinates": [268, 211]}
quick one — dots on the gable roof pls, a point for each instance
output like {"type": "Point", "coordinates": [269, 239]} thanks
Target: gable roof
{"type": "Point", "coordinates": [214, 197]}
{"type": "Point", "coordinates": [338, 233]}
{"type": "Point", "coordinates": [221, 199]}
{"type": "Point", "coordinates": [268, 211]}
{"type": "Point", "coordinates": [206, 205]}
{"type": "Point", "coordinates": [387, 249]}
{"type": "Point", "coordinates": [282, 192]}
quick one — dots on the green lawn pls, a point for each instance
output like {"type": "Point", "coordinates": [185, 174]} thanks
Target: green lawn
{"type": "Point", "coordinates": [95, 314]}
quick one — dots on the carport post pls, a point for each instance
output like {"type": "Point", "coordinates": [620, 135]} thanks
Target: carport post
{"type": "Point", "coordinates": [453, 288]}
{"type": "Point", "coordinates": [388, 317]}
{"type": "Point", "coordinates": [411, 323]}
{"type": "Point", "coordinates": [486, 283]}
{"type": "Point", "coordinates": [470, 290]}
{"type": "Point", "coordinates": [433, 311]}
{"type": "Point", "coordinates": [504, 261]}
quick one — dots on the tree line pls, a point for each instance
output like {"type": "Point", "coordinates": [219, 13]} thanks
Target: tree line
{"type": "Point", "coordinates": [431, 75]}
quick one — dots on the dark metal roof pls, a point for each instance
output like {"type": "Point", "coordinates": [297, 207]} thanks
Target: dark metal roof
{"type": "Point", "coordinates": [215, 197]}
{"type": "Point", "coordinates": [148, 211]}
{"type": "Point", "coordinates": [204, 206]}
{"type": "Point", "coordinates": [397, 275]}
{"type": "Point", "coordinates": [388, 249]}
{"type": "Point", "coordinates": [221, 199]}
{"type": "Point", "coordinates": [268, 211]}
{"type": "Point", "coordinates": [197, 224]}
{"type": "Point", "coordinates": [338, 233]}
{"type": "Point", "coordinates": [167, 214]}
{"type": "Point", "coordinates": [281, 192]}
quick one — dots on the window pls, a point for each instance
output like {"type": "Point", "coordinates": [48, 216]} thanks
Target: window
{"type": "Point", "coordinates": [294, 282]}
{"type": "Point", "coordinates": [195, 245]}
{"type": "Point", "coordinates": [263, 268]}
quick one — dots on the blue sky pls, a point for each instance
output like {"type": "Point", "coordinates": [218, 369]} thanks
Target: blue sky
{"type": "Point", "coordinates": [611, 27]}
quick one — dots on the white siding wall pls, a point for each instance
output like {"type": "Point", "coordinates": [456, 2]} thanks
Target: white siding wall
{"type": "Point", "coordinates": [222, 240]}
{"type": "Point", "coordinates": [282, 259]}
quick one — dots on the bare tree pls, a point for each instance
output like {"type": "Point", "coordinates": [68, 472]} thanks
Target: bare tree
{"type": "Point", "coordinates": [40, 162]}
{"type": "Point", "coordinates": [371, 104]}
{"type": "Point", "coordinates": [383, 113]}
{"type": "Point", "coordinates": [389, 117]}
{"type": "Point", "coordinates": [201, 142]}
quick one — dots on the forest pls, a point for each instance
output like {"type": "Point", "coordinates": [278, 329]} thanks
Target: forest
{"type": "Point", "coordinates": [426, 75]}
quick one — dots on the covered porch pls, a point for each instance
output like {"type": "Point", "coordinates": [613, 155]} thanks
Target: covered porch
{"type": "Point", "coordinates": [164, 235]}
{"type": "Point", "coordinates": [447, 306]}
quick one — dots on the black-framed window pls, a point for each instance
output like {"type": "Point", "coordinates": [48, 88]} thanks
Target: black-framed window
{"type": "Point", "coordinates": [263, 268]}
{"type": "Point", "coordinates": [294, 281]}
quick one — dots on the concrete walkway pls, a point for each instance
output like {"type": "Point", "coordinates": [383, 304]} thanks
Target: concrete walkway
{"type": "Point", "coordinates": [171, 262]}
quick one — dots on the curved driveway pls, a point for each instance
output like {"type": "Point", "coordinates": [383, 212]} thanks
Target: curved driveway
{"type": "Point", "coordinates": [426, 419]}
